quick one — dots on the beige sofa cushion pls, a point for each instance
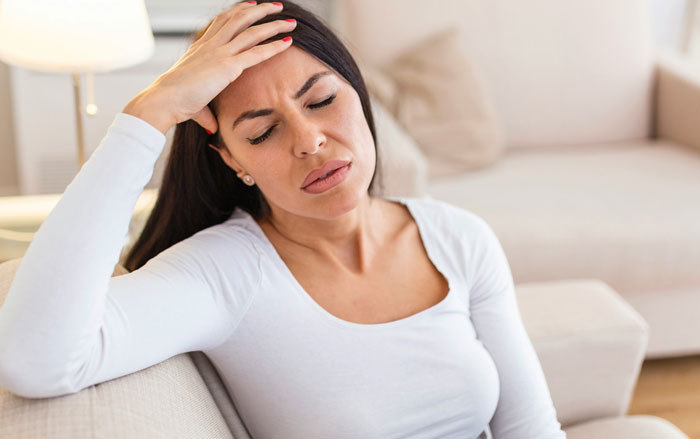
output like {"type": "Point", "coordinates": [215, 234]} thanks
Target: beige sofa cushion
{"type": "Point", "coordinates": [167, 400]}
{"type": "Point", "coordinates": [438, 98]}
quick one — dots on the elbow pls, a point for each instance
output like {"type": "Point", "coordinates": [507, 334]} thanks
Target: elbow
{"type": "Point", "coordinates": [33, 380]}
{"type": "Point", "coordinates": [34, 387]}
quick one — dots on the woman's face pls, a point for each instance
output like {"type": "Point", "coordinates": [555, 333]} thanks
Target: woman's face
{"type": "Point", "coordinates": [279, 148]}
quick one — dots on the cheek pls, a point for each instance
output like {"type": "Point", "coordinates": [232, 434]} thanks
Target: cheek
{"type": "Point", "coordinates": [360, 132]}
{"type": "Point", "coordinates": [272, 166]}
{"type": "Point", "coordinates": [351, 119]}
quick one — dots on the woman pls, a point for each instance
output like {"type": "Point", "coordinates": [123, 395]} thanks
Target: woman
{"type": "Point", "coordinates": [329, 312]}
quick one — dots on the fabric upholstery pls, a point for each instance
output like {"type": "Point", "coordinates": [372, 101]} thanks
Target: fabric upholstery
{"type": "Point", "coordinates": [167, 400]}
{"type": "Point", "coordinates": [582, 328]}
{"type": "Point", "coordinates": [672, 315]}
{"type": "Point", "coordinates": [636, 426]}
{"type": "Point", "coordinates": [220, 394]}
{"type": "Point", "coordinates": [561, 73]}
{"type": "Point", "coordinates": [436, 96]}
{"type": "Point", "coordinates": [678, 100]}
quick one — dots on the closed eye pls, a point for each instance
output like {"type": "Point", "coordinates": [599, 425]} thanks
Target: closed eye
{"type": "Point", "coordinates": [267, 133]}
{"type": "Point", "coordinates": [323, 103]}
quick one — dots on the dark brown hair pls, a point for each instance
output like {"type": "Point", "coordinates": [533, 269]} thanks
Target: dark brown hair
{"type": "Point", "coordinates": [198, 189]}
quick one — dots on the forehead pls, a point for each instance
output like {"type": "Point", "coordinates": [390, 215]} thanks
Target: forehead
{"type": "Point", "coordinates": [284, 73]}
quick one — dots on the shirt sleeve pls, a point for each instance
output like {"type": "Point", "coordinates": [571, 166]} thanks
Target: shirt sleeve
{"type": "Point", "coordinates": [67, 324]}
{"type": "Point", "coordinates": [525, 409]}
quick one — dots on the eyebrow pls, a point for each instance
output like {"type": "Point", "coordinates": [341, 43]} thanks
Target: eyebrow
{"type": "Point", "coordinates": [250, 114]}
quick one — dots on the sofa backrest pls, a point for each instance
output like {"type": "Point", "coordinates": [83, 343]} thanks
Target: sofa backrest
{"type": "Point", "coordinates": [559, 72]}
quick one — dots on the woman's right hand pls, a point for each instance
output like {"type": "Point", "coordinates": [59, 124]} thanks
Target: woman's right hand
{"type": "Point", "coordinates": [210, 64]}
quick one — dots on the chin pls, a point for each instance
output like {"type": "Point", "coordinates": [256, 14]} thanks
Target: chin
{"type": "Point", "coordinates": [336, 204]}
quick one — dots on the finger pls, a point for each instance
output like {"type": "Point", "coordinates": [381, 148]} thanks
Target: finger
{"type": "Point", "coordinates": [221, 19]}
{"type": "Point", "coordinates": [205, 118]}
{"type": "Point", "coordinates": [241, 20]}
{"type": "Point", "coordinates": [261, 32]}
{"type": "Point", "coordinates": [260, 53]}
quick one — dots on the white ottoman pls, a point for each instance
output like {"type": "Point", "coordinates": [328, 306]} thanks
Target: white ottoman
{"type": "Point", "coordinates": [591, 344]}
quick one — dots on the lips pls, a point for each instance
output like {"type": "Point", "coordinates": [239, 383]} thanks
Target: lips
{"type": "Point", "coordinates": [323, 170]}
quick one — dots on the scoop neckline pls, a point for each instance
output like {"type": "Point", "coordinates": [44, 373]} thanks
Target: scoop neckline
{"type": "Point", "coordinates": [420, 315]}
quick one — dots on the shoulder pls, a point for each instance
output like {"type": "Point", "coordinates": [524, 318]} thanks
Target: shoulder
{"type": "Point", "coordinates": [449, 218]}
{"type": "Point", "coordinates": [225, 256]}
{"type": "Point", "coordinates": [231, 237]}
{"type": "Point", "coordinates": [229, 244]}
{"type": "Point", "coordinates": [462, 233]}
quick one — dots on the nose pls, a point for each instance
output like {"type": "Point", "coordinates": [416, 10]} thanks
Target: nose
{"type": "Point", "coordinates": [308, 137]}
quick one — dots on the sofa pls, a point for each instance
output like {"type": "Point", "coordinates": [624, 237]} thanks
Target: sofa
{"type": "Point", "coordinates": [596, 173]}
{"type": "Point", "coordinates": [590, 343]}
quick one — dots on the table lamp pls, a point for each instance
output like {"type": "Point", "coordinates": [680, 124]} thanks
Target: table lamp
{"type": "Point", "coordinates": [75, 36]}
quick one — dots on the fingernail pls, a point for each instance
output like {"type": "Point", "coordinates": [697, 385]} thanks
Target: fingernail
{"type": "Point", "coordinates": [252, 2]}
{"type": "Point", "coordinates": [291, 20]}
{"type": "Point", "coordinates": [208, 132]}
{"type": "Point", "coordinates": [277, 3]}
{"type": "Point", "coordinates": [285, 39]}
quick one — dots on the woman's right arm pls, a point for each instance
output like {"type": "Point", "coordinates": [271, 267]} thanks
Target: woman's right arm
{"type": "Point", "coordinates": [66, 323]}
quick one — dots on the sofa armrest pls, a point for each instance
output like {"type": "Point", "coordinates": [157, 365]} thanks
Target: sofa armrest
{"type": "Point", "coordinates": [161, 401]}
{"type": "Point", "coordinates": [165, 401]}
{"type": "Point", "coordinates": [590, 342]}
{"type": "Point", "coordinates": [677, 95]}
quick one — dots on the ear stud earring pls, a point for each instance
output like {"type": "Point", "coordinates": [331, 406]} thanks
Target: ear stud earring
{"type": "Point", "coordinates": [248, 180]}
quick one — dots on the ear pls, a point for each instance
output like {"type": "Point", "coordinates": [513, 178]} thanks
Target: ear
{"type": "Point", "coordinates": [227, 158]}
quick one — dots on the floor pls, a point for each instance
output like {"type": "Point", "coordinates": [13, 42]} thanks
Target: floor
{"type": "Point", "coordinates": [670, 388]}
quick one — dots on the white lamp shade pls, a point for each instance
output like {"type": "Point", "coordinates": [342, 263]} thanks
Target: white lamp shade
{"type": "Point", "coordinates": [74, 35]}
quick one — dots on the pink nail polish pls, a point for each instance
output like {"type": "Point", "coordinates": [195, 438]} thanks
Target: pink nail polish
{"type": "Point", "coordinates": [252, 2]}
{"type": "Point", "coordinates": [277, 3]}
{"type": "Point", "coordinates": [285, 39]}
{"type": "Point", "coordinates": [291, 20]}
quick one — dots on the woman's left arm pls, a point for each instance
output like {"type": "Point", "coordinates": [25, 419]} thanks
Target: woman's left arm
{"type": "Point", "coordinates": [525, 409]}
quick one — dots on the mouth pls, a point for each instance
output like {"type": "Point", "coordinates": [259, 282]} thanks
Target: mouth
{"type": "Point", "coordinates": [329, 180]}
{"type": "Point", "coordinates": [328, 169]}
{"type": "Point", "coordinates": [322, 177]}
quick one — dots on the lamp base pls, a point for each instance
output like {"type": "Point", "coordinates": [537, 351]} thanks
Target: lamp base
{"type": "Point", "coordinates": [79, 120]}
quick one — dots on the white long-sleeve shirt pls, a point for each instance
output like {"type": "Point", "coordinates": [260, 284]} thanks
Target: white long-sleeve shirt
{"type": "Point", "coordinates": [459, 368]}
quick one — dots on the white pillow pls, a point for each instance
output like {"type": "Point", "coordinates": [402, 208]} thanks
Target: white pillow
{"type": "Point", "coordinates": [437, 97]}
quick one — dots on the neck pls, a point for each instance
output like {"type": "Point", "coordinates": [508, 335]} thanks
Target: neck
{"type": "Point", "coordinates": [347, 241]}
